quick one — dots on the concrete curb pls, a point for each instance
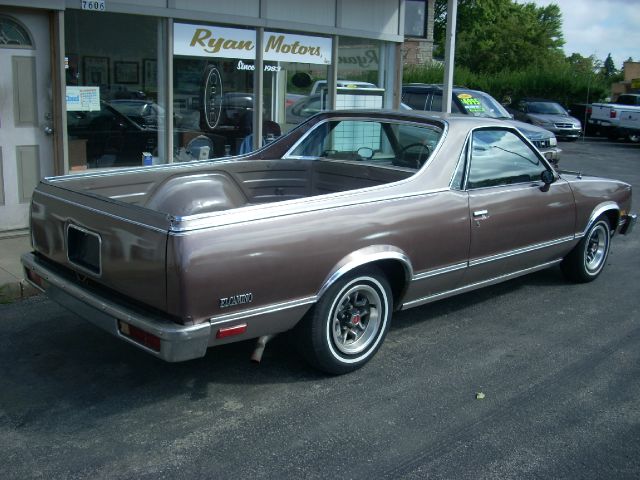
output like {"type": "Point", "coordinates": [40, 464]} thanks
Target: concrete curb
{"type": "Point", "coordinates": [18, 290]}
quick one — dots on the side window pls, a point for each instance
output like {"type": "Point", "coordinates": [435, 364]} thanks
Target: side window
{"type": "Point", "coordinates": [628, 100]}
{"type": "Point", "coordinates": [500, 157]}
{"type": "Point", "coordinates": [417, 101]}
{"type": "Point", "coordinates": [458, 177]}
{"type": "Point", "coordinates": [436, 102]}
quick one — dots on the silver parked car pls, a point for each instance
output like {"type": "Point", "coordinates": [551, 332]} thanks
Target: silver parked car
{"type": "Point", "coordinates": [465, 101]}
{"type": "Point", "coordinates": [547, 114]}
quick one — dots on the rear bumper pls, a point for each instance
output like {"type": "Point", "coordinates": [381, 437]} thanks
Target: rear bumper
{"type": "Point", "coordinates": [176, 342]}
{"type": "Point", "coordinates": [627, 223]}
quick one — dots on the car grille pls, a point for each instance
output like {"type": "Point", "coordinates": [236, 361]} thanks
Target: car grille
{"type": "Point", "coordinates": [542, 143]}
{"type": "Point", "coordinates": [563, 125]}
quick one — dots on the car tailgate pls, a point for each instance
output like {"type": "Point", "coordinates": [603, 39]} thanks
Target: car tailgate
{"type": "Point", "coordinates": [109, 243]}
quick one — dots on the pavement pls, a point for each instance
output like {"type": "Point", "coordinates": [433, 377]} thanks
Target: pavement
{"type": "Point", "coordinates": [12, 284]}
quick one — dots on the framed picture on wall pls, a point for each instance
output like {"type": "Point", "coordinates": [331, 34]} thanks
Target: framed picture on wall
{"type": "Point", "coordinates": [150, 74]}
{"type": "Point", "coordinates": [125, 72]}
{"type": "Point", "coordinates": [95, 70]}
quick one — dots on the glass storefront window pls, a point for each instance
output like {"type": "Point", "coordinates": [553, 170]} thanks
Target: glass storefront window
{"type": "Point", "coordinates": [295, 79]}
{"type": "Point", "coordinates": [415, 12]}
{"type": "Point", "coordinates": [115, 108]}
{"type": "Point", "coordinates": [360, 78]}
{"type": "Point", "coordinates": [288, 97]}
{"type": "Point", "coordinates": [296, 68]}
{"type": "Point", "coordinates": [212, 91]}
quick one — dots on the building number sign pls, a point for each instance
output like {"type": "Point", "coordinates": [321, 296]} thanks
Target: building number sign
{"type": "Point", "coordinates": [94, 5]}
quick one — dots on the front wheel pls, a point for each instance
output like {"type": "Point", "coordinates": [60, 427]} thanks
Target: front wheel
{"type": "Point", "coordinates": [348, 324]}
{"type": "Point", "coordinates": [585, 262]}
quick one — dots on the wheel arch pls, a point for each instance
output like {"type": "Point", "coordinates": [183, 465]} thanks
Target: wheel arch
{"type": "Point", "coordinates": [612, 212]}
{"type": "Point", "coordinates": [393, 262]}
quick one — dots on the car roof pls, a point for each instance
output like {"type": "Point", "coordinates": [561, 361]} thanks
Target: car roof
{"type": "Point", "coordinates": [439, 86]}
{"type": "Point", "coordinates": [457, 119]}
{"type": "Point", "coordinates": [546, 100]}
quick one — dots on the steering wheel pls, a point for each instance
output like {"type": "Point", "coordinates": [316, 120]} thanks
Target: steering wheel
{"type": "Point", "coordinates": [416, 159]}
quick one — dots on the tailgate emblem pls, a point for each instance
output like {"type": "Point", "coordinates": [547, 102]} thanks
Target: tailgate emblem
{"type": "Point", "coordinates": [239, 299]}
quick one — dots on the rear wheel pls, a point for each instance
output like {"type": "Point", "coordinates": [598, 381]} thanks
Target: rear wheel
{"type": "Point", "coordinates": [588, 258]}
{"type": "Point", "coordinates": [348, 324]}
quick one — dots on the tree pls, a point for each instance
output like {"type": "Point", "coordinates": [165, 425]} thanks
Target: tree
{"type": "Point", "coordinates": [609, 68]}
{"type": "Point", "coordinates": [493, 35]}
{"type": "Point", "coordinates": [584, 65]}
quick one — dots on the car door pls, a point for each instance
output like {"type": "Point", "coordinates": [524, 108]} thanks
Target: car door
{"type": "Point", "coordinates": [517, 222]}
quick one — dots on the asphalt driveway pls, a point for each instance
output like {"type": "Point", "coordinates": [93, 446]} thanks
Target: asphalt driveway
{"type": "Point", "coordinates": [558, 365]}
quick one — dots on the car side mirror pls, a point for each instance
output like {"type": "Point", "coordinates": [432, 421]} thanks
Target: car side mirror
{"type": "Point", "coordinates": [547, 178]}
{"type": "Point", "coordinates": [365, 153]}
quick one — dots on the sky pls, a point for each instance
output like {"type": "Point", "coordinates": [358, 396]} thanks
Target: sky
{"type": "Point", "coordinates": [600, 27]}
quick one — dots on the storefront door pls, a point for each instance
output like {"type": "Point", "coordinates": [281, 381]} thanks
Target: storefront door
{"type": "Point", "coordinates": [26, 141]}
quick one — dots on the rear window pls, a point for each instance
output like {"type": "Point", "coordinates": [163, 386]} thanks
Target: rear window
{"type": "Point", "coordinates": [371, 142]}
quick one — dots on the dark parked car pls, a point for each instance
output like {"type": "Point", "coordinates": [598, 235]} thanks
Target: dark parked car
{"type": "Point", "coordinates": [421, 96]}
{"type": "Point", "coordinates": [328, 230]}
{"type": "Point", "coordinates": [547, 114]}
{"type": "Point", "coordinates": [112, 137]}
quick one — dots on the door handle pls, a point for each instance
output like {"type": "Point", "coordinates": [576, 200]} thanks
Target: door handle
{"type": "Point", "coordinates": [481, 213]}
{"type": "Point", "coordinates": [48, 130]}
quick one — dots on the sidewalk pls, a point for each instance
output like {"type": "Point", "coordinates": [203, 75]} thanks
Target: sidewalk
{"type": "Point", "coordinates": [12, 284]}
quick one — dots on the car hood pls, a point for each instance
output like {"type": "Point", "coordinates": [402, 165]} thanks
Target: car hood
{"type": "Point", "coordinates": [553, 118]}
{"type": "Point", "coordinates": [532, 132]}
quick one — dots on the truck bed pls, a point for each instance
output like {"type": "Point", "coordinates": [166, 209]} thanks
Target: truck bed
{"type": "Point", "coordinates": [115, 227]}
{"type": "Point", "coordinates": [207, 187]}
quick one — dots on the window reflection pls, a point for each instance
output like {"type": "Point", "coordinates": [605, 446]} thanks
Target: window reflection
{"type": "Point", "coordinates": [115, 115]}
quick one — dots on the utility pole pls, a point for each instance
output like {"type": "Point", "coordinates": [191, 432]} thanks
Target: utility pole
{"type": "Point", "coordinates": [449, 54]}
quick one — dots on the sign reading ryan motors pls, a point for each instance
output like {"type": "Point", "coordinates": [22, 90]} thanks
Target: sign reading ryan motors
{"type": "Point", "coordinates": [211, 41]}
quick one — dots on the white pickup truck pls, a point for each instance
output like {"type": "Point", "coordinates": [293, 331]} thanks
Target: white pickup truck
{"type": "Point", "coordinates": [608, 115]}
{"type": "Point", "coordinates": [630, 124]}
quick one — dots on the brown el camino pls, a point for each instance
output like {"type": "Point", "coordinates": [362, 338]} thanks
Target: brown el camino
{"type": "Point", "coordinates": [327, 230]}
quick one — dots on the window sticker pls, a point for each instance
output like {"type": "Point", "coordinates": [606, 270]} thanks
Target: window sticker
{"type": "Point", "coordinates": [470, 103]}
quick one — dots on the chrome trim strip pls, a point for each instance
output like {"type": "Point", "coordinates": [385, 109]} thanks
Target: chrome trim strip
{"type": "Point", "coordinates": [474, 286]}
{"type": "Point", "coordinates": [361, 258]}
{"type": "Point", "coordinates": [439, 271]}
{"type": "Point", "coordinates": [186, 225]}
{"type": "Point", "coordinates": [111, 215]}
{"type": "Point", "coordinates": [273, 308]}
{"type": "Point", "coordinates": [519, 251]}
{"type": "Point", "coordinates": [599, 210]}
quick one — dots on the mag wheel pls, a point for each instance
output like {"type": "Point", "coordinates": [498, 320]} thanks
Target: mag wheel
{"type": "Point", "coordinates": [349, 322]}
{"type": "Point", "coordinates": [588, 258]}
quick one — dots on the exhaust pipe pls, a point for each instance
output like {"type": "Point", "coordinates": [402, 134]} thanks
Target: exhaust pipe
{"type": "Point", "coordinates": [256, 356]}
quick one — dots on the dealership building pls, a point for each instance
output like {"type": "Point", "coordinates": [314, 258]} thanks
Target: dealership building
{"type": "Point", "coordinates": [88, 84]}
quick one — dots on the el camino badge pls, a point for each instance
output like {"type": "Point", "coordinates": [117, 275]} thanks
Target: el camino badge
{"type": "Point", "coordinates": [240, 299]}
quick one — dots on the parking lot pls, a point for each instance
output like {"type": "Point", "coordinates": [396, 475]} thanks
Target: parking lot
{"type": "Point", "coordinates": [558, 365]}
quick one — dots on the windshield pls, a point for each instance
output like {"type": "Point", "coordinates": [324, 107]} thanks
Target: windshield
{"type": "Point", "coordinates": [549, 108]}
{"type": "Point", "coordinates": [481, 104]}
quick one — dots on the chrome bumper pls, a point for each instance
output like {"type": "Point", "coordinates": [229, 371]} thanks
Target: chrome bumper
{"type": "Point", "coordinates": [626, 224]}
{"type": "Point", "coordinates": [177, 342]}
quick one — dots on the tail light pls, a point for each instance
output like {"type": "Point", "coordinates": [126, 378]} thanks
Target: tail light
{"type": "Point", "coordinates": [139, 336]}
{"type": "Point", "coordinates": [612, 114]}
{"type": "Point", "coordinates": [589, 110]}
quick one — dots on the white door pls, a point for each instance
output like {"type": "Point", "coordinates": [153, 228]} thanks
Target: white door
{"type": "Point", "coordinates": [26, 143]}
